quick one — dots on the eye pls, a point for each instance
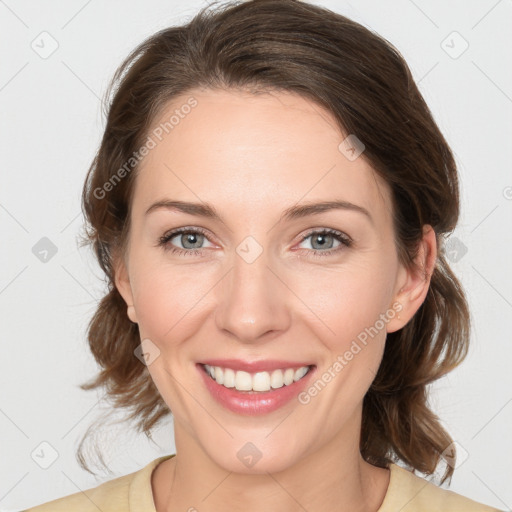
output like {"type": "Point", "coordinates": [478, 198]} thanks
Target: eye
{"type": "Point", "coordinates": [322, 241]}
{"type": "Point", "coordinates": [191, 240]}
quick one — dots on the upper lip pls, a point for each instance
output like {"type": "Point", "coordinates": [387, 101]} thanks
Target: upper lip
{"type": "Point", "coordinates": [255, 366]}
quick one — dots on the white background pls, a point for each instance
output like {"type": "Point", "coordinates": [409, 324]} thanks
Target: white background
{"type": "Point", "coordinates": [51, 127]}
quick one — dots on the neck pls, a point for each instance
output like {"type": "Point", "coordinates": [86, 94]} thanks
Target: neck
{"type": "Point", "coordinates": [334, 477]}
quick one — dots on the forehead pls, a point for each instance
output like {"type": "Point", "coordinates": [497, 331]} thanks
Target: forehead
{"type": "Point", "coordinates": [252, 152]}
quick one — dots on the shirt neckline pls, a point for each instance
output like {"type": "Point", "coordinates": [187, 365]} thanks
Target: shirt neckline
{"type": "Point", "coordinates": [140, 494]}
{"type": "Point", "coordinates": [387, 505]}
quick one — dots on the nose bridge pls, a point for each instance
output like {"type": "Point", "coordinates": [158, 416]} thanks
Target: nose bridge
{"type": "Point", "coordinates": [251, 299]}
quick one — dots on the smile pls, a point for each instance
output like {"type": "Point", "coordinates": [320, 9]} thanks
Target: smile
{"type": "Point", "coordinates": [257, 382]}
{"type": "Point", "coordinates": [255, 393]}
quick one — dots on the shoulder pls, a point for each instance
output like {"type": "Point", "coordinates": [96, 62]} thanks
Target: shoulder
{"type": "Point", "coordinates": [117, 495]}
{"type": "Point", "coordinates": [408, 492]}
{"type": "Point", "coordinates": [109, 496]}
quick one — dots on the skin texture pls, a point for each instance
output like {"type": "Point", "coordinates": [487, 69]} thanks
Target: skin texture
{"type": "Point", "coordinates": [252, 157]}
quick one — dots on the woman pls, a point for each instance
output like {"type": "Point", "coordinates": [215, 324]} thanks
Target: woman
{"type": "Point", "coordinates": [269, 204]}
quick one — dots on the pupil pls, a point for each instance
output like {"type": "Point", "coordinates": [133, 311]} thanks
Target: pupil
{"type": "Point", "coordinates": [191, 238]}
{"type": "Point", "coordinates": [321, 240]}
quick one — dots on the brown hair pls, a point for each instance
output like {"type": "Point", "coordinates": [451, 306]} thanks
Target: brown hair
{"type": "Point", "coordinates": [365, 83]}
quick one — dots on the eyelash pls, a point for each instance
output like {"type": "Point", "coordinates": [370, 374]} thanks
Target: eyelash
{"type": "Point", "coordinates": [338, 235]}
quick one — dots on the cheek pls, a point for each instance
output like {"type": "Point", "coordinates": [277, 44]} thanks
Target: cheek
{"type": "Point", "coordinates": [347, 302]}
{"type": "Point", "coordinates": [354, 308]}
{"type": "Point", "coordinates": [168, 297]}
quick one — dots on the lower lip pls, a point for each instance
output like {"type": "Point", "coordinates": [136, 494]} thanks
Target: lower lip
{"type": "Point", "coordinates": [255, 403]}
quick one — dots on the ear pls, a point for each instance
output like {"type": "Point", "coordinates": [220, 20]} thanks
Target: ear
{"type": "Point", "coordinates": [413, 283]}
{"type": "Point", "coordinates": [122, 282]}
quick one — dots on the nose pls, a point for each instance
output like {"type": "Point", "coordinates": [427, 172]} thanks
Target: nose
{"type": "Point", "coordinates": [252, 301]}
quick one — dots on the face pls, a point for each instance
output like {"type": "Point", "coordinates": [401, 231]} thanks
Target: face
{"type": "Point", "coordinates": [264, 278]}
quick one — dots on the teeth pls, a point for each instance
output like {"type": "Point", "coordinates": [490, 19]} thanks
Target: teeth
{"type": "Point", "coordinates": [260, 381]}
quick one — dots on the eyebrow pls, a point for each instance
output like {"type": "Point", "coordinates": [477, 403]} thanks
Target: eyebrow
{"type": "Point", "coordinates": [294, 212]}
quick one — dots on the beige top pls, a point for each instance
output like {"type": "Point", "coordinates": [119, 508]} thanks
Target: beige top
{"type": "Point", "coordinates": [406, 492]}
